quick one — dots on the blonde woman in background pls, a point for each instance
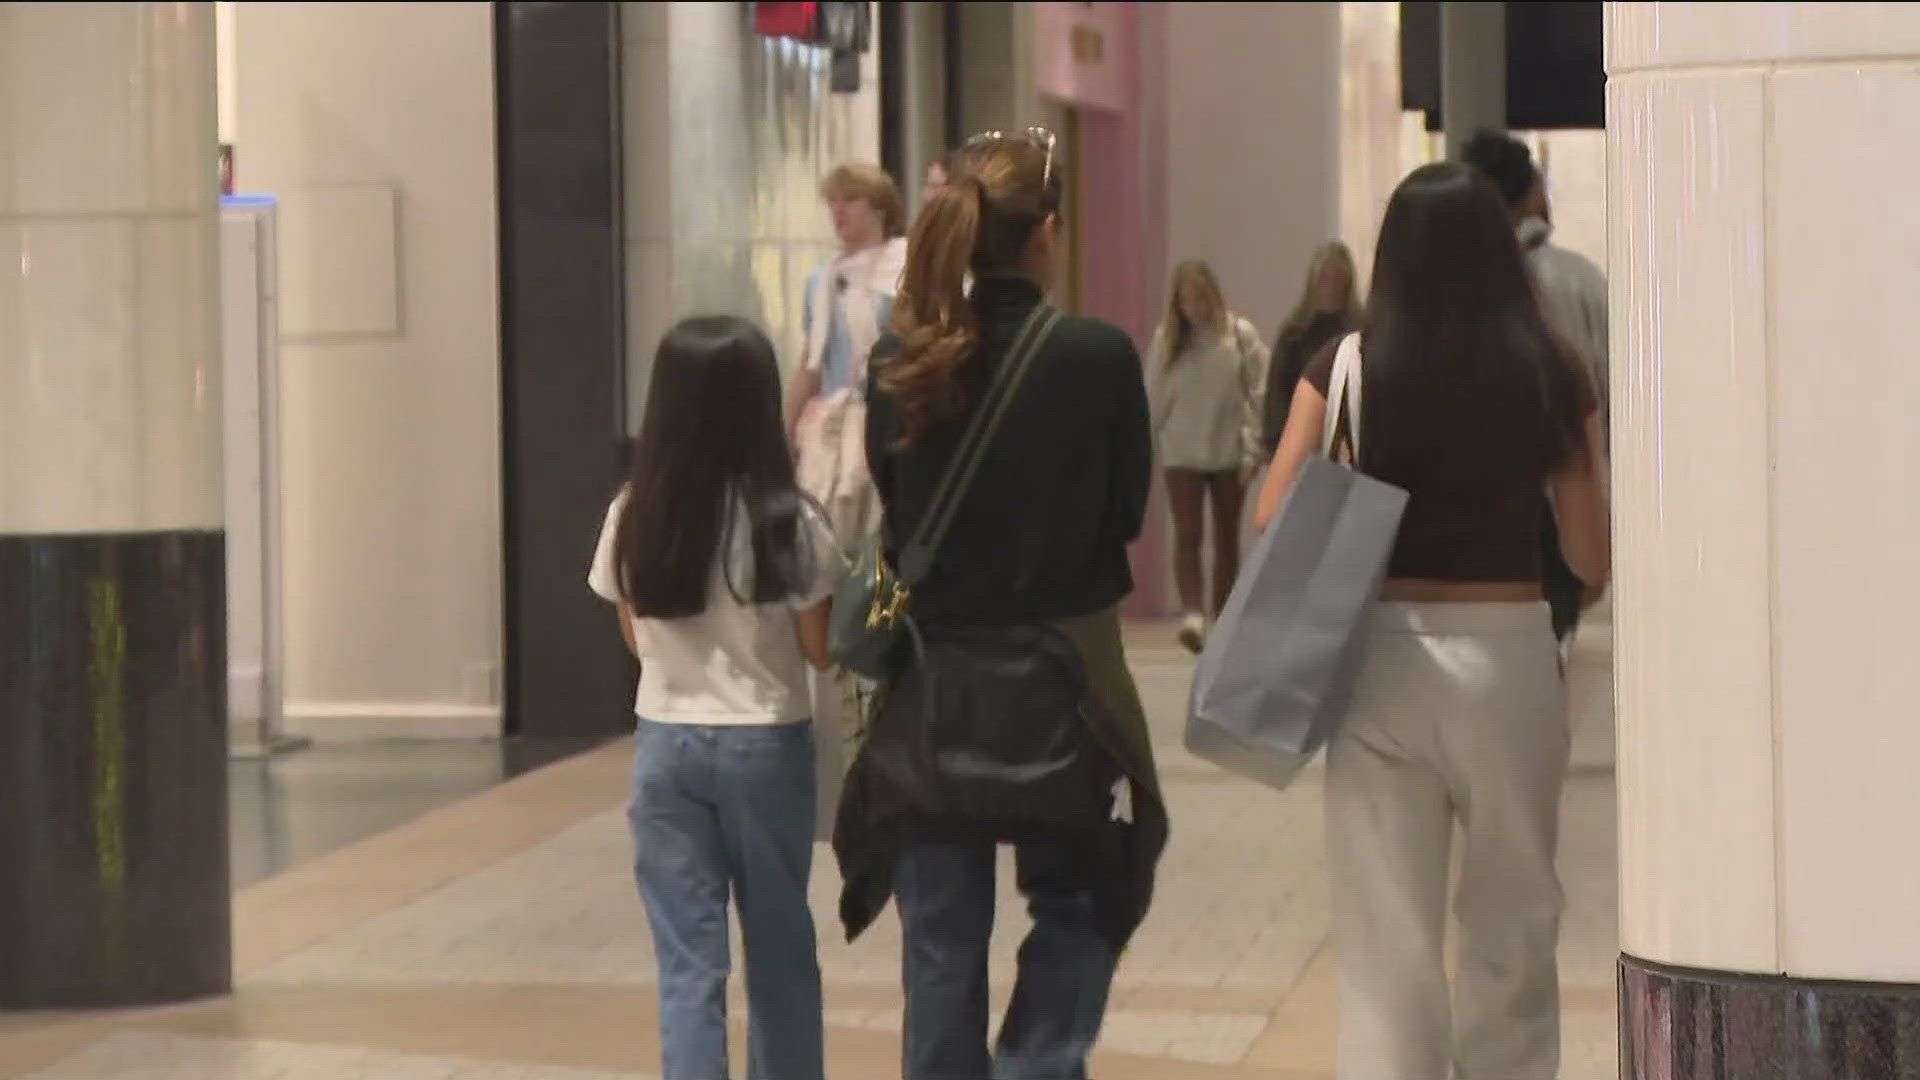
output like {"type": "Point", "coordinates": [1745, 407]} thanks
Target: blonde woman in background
{"type": "Point", "coordinates": [1329, 309]}
{"type": "Point", "coordinates": [1206, 374]}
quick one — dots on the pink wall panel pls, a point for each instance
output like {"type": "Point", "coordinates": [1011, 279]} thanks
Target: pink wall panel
{"type": "Point", "coordinates": [1086, 53]}
{"type": "Point", "coordinates": [1122, 163]}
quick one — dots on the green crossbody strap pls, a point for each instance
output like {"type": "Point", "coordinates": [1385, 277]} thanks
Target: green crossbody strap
{"type": "Point", "coordinates": [1020, 363]}
{"type": "Point", "coordinates": [917, 557]}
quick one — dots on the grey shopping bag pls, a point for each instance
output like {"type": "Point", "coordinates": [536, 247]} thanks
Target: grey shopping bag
{"type": "Point", "coordinates": [1276, 676]}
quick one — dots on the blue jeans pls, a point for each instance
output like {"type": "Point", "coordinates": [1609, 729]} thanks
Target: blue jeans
{"type": "Point", "coordinates": [944, 889]}
{"type": "Point", "coordinates": [719, 810]}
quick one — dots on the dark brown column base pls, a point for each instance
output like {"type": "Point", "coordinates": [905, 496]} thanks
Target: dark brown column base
{"type": "Point", "coordinates": [1681, 1024]}
{"type": "Point", "coordinates": [113, 769]}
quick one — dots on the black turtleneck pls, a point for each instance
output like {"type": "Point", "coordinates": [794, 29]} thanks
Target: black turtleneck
{"type": "Point", "coordinates": [1298, 344]}
{"type": "Point", "coordinates": [1060, 492]}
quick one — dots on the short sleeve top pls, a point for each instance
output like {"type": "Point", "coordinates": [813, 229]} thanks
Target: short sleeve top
{"type": "Point", "coordinates": [736, 662]}
{"type": "Point", "coordinates": [1497, 538]}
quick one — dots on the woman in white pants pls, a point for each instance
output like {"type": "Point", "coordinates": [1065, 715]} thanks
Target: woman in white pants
{"type": "Point", "coordinates": [1473, 407]}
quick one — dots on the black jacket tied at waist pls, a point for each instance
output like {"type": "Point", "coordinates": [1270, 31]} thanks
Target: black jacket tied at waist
{"type": "Point", "coordinates": [876, 822]}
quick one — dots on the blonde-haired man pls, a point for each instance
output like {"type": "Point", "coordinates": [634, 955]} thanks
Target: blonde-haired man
{"type": "Point", "coordinates": [848, 300]}
{"type": "Point", "coordinates": [845, 310]}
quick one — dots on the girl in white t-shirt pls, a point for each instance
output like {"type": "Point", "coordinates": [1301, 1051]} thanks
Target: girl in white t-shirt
{"type": "Point", "coordinates": [722, 572]}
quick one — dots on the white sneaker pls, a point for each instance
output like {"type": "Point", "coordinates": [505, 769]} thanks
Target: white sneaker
{"type": "Point", "coordinates": [1193, 634]}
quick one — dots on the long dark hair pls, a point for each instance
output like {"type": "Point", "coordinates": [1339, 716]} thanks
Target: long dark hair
{"type": "Point", "coordinates": [1467, 390]}
{"type": "Point", "coordinates": [712, 455]}
{"type": "Point", "coordinates": [1004, 188]}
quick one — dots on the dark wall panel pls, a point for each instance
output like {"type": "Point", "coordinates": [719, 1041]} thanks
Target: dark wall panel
{"type": "Point", "coordinates": [1556, 71]}
{"type": "Point", "coordinates": [562, 301]}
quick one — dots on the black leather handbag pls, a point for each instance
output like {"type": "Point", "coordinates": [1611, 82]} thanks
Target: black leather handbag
{"type": "Point", "coordinates": [988, 729]}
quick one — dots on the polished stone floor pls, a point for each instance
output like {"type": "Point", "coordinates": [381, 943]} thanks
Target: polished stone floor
{"type": "Point", "coordinates": [496, 936]}
{"type": "Point", "coordinates": [304, 804]}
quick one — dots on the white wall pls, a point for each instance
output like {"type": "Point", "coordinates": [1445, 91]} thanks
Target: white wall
{"type": "Point", "coordinates": [1575, 166]}
{"type": "Point", "coordinates": [1253, 146]}
{"type": "Point", "coordinates": [1373, 129]}
{"type": "Point", "coordinates": [224, 63]}
{"type": "Point", "coordinates": [374, 123]}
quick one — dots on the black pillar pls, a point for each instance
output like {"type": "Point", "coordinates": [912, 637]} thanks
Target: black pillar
{"type": "Point", "coordinates": [562, 356]}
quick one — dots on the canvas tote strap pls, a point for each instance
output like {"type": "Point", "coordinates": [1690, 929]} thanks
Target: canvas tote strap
{"type": "Point", "coordinates": [1343, 397]}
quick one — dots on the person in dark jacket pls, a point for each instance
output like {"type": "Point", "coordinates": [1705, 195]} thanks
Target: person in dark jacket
{"type": "Point", "coordinates": [1573, 294]}
{"type": "Point", "coordinates": [1329, 309]}
{"type": "Point", "coordinates": [1039, 540]}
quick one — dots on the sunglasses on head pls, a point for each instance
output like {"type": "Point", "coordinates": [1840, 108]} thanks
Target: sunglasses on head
{"type": "Point", "coordinates": [1033, 136]}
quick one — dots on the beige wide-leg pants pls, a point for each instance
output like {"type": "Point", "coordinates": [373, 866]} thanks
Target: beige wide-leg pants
{"type": "Point", "coordinates": [1459, 716]}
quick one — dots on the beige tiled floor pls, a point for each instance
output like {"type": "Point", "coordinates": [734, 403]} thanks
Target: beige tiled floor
{"type": "Point", "coordinates": [182, 1057]}
{"type": "Point", "coordinates": [499, 939]}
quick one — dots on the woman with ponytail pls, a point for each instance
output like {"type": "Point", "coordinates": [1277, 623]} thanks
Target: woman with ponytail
{"type": "Point", "coordinates": [1037, 550]}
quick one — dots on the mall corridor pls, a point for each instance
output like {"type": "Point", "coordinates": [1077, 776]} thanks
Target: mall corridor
{"type": "Point", "coordinates": [499, 938]}
{"type": "Point", "coordinates": [332, 335]}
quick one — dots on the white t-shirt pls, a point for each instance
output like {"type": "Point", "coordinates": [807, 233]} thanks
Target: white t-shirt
{"type": "Point", "coordinates": [735, 663]}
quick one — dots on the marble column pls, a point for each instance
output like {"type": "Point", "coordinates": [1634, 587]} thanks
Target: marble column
{"type": "Point", "coordinates": [1473, 70]}
{"type": "Point", "coordinates": [113, 858]}
{"type": "Point", "coordinates": [1764, 244]}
